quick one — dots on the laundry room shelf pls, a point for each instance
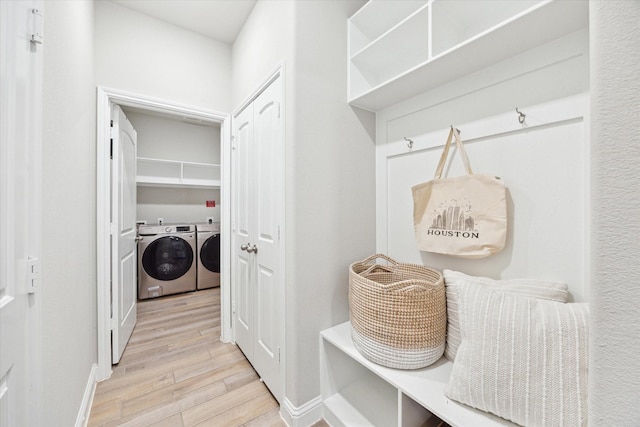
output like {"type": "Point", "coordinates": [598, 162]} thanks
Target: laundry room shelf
{"type": "Point", "coordinates": [173, 173]}
{"type": "Point", "coordinates": [400, 49]}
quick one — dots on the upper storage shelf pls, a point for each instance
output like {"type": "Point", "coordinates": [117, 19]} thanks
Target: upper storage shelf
{"type": "Point", "coordinates": [398, 49]}
{"type": "Point", "coordinates": [171, 173]}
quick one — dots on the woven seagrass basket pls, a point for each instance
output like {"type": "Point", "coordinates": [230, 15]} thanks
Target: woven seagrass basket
{"type": "Point", "coordinates": [398, 312]}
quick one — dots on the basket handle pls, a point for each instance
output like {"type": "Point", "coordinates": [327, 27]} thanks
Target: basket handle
{"type": "Point", "coordinates": [368, 260]}
{"type": "Point", "coordinates": [374, 267]}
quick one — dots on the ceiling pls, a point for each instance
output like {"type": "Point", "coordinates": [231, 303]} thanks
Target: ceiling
{"type": "Point", "coordinates": [218, 19]}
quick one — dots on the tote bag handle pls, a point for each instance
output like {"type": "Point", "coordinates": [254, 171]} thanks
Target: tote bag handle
{"type": "Point", "coordinates": [445, 153]}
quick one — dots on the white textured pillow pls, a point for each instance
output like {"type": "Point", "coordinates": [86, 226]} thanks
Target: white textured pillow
{"type": "Point", "coordinates": [533, 288]}
{"type": "Point", "coordinates": [523, 359]}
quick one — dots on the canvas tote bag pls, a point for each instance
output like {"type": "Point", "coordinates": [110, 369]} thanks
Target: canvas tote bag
{"type": "Point", "coordinates": [464, 216]}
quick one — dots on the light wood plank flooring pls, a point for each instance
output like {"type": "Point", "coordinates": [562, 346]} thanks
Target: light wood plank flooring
{"type": "Point", "coordinates": [176, 372]}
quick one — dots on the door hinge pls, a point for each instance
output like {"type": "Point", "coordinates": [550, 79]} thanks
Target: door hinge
{"type": "Point", "coordinates": [278, 106]}
{"type": "Point", "coordinates": [278, 354]}
{"type": "Point", "coordinates": [278, 233]}
{"type": "Point", "coordinates": [33, 275]}
{"type": "Point", "coordinates": [233, 142]}
{"type": "Point", "coordinates": [233, 307]}
{"type": "Point", "coordinates": [112, 323]}
{"type": "Point", "coordinates": [112, 228]}
{"type": "Point", "coordinates": [37, 26]}
{"type": "Point", "coordinates": [111, 135]}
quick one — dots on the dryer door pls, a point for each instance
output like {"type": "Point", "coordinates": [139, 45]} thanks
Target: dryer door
{"type": "Point", "coordinates": [167, 258]}
{"type": "Point", "coordinates": [210, 253]}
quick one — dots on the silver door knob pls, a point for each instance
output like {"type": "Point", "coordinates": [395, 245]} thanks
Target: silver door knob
{"type": "Point", "coordinates": [253, 249]}
{"type": "Point", "coordinates": [244, 247]}
{"type": "Point", "coordinates": [138, 238]}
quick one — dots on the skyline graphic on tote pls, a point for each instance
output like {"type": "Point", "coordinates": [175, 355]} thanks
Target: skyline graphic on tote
{"type": "Point", "coordinates": [454, 218]}
{"type": "Point", "coordinates": [465, 215]}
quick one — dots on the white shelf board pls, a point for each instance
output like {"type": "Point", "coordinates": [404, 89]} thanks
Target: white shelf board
{"type": "Point", "coordinates": [540, 25]}
{"type": "Point", "coordinates": [176, 173]}
{"type": "Point", "coordinates": [376, 17]}
{"type": "Point", "coordinates": [342, 413]}
{"type": "Point", "coordinates": [425, 386]}
{"type": "Point", "coordinates": [405, 45]}
{"type": "Point", "coordinates": [456, 21]}
{"type": "Point", "coordinates": [154, 181]}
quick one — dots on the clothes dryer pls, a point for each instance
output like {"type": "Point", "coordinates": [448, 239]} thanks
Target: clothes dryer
{"type": "Point", "coordinates": [208, 254]}
{"type": "Point", "coordinates": [166, 260]}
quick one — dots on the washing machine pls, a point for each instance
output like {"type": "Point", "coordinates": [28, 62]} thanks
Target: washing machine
{"type": "Point", "coordinates": [208, 254]}
{"type": "Point", "coordinates": [166, 260]}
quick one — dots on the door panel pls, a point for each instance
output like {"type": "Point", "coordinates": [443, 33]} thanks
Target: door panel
{"type": "Point", "coordinates": [265, 145]}
{"type": "Point", "coordinates": [124, 247]}
{"type": "Point", "coordinates": [244, 307]}
{"type": "Point", "coordinates": [244, 165]}
{"type": "Point", "coordinates": [268, 151]}
{"type": "Point", "coordinates": [242, 263]}
{"type": "Point", "coordinates": [265, 307]}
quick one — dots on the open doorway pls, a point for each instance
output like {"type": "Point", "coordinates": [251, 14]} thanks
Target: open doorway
{"type": "Point", "coordinates": [148, 110]}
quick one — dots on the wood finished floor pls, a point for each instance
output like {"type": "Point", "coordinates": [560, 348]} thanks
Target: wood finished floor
{"type": "Point", "coordinates": [176, 372]}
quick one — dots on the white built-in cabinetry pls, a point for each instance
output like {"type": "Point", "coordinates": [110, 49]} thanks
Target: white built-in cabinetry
{"type": "Point", "coordinates": [357, 392]}
{"type": "Point", "coordinates": [175, 173]}
{"type": "Point", "coordinates": [398, 49]}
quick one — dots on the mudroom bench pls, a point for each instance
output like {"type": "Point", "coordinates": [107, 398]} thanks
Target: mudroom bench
{"type": "Point", "coordinates": [357, 392]}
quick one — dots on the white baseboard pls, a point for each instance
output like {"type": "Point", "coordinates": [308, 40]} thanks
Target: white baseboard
{"type": "Point", "coordinates": [302, 416]}
{"type": "Point", "coordinates": [87, 400]}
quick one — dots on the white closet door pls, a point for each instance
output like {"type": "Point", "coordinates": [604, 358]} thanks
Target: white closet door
{"type": "Point", "coordinates": [268, 166]}
{"type": "Point", "coordinates": [123, 245]}
{"type": "Point", "coordinates": [242, 188]}
{"type": "Point", "coordinates": [257, 213]}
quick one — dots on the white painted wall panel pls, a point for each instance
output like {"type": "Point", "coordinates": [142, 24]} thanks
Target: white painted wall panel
{"type": "Point", "coordinates": [69, 319]}
{"type": "Point", "coordinates": [334, 186]}
{"type": "Point", "coordinates": [143, 55]}
{"type": "Point", "coordinates": [546, 177]}
{"type": "Point", "coordinates": [264, 42]}
{"type": "Point", "coordinates": [177, 204]}
{"type": "Point", "coordinates": [329, 169]}
{"type": "Point", "coordinates": [171, 139]}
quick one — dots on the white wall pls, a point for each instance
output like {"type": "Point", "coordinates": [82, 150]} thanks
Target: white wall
{"type": "Point", "coordinates": [329, 167]}
{"type": "Point", "coordinates": [69, 209]}
{"type": "Point", "coordinates": [161, 137]}
{"type": "Point", "coordinates": [143, 55]}
{"type": "Point", "coordinates": [615, 324]}
{"type": "Point", "coordinates": [334, 187]}
{"type": "Point", "coordinates": [263, 43]}
{"type": "Point", "coordinates": [177, 204]}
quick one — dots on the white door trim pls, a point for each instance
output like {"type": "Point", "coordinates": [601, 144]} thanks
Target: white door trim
{"type": "Point", "coordinates": [106, 97]}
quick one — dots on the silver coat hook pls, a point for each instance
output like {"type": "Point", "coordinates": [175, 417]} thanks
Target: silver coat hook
{"type": "Point", "coordinates": [521, 116]}
{"type": "Point", "coordinates": [409, 142]}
